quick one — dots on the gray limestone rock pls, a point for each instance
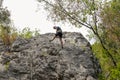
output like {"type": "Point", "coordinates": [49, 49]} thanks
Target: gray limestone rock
{"type": "Point", "coordinates": [39, 59]}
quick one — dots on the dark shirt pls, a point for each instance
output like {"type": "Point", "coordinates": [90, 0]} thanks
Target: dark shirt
{"type": "Point", "coordinates": [58, 32]}
{"type": "Point", "coordinates": [58, 29]}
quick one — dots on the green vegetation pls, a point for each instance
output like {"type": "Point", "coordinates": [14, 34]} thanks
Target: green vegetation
{"type": "Point", "coordinates": [8, 34]}
{"type": "Point", "coordinates": [7, 66]}
{"type": "Point", "coordinates": [27, 33]}
{"type": "Point", "coordinates": [110, 17]}
{"type": "Point", "coordinates": [4, 26]}
{"type": "Point", "coordinates": [109, 72]}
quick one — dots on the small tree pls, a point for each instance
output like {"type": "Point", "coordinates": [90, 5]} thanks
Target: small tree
{"type": "Point", "coordinates": [4, 25]}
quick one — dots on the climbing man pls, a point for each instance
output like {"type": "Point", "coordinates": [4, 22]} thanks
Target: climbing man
{"type": "Point", "coordinates": [58, 34]}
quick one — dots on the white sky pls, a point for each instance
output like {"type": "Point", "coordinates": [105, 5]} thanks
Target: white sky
{"type": "Point", "coordinates": [25, 13]}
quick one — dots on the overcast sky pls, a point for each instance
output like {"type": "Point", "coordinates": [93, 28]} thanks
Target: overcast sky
{"type": "Point", "coordinates": [27, 13]}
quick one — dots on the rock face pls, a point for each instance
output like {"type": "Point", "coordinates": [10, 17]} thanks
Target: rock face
{"type": "Point", "coordinates": [39, 59]}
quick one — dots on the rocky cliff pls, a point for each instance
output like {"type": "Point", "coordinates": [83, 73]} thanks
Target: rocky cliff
{"type": "Point", "coordinates": [39, 59]}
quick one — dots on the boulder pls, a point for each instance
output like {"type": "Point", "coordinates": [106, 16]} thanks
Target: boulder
{"type": "Point", "coordinates": [39, 59]}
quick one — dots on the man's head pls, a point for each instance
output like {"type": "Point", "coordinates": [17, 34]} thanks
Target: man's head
{"type": "Point", "coordinates": [54, 27]}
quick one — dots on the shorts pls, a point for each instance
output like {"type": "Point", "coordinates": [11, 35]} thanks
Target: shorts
{"type": "Point", "coordinates": [58, 34]}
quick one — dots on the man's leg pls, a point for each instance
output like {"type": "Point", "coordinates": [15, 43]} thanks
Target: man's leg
{"type": "Point", "coordinates": [53, 38]}
{"type": "Point", "coordinates": [61, 42]}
